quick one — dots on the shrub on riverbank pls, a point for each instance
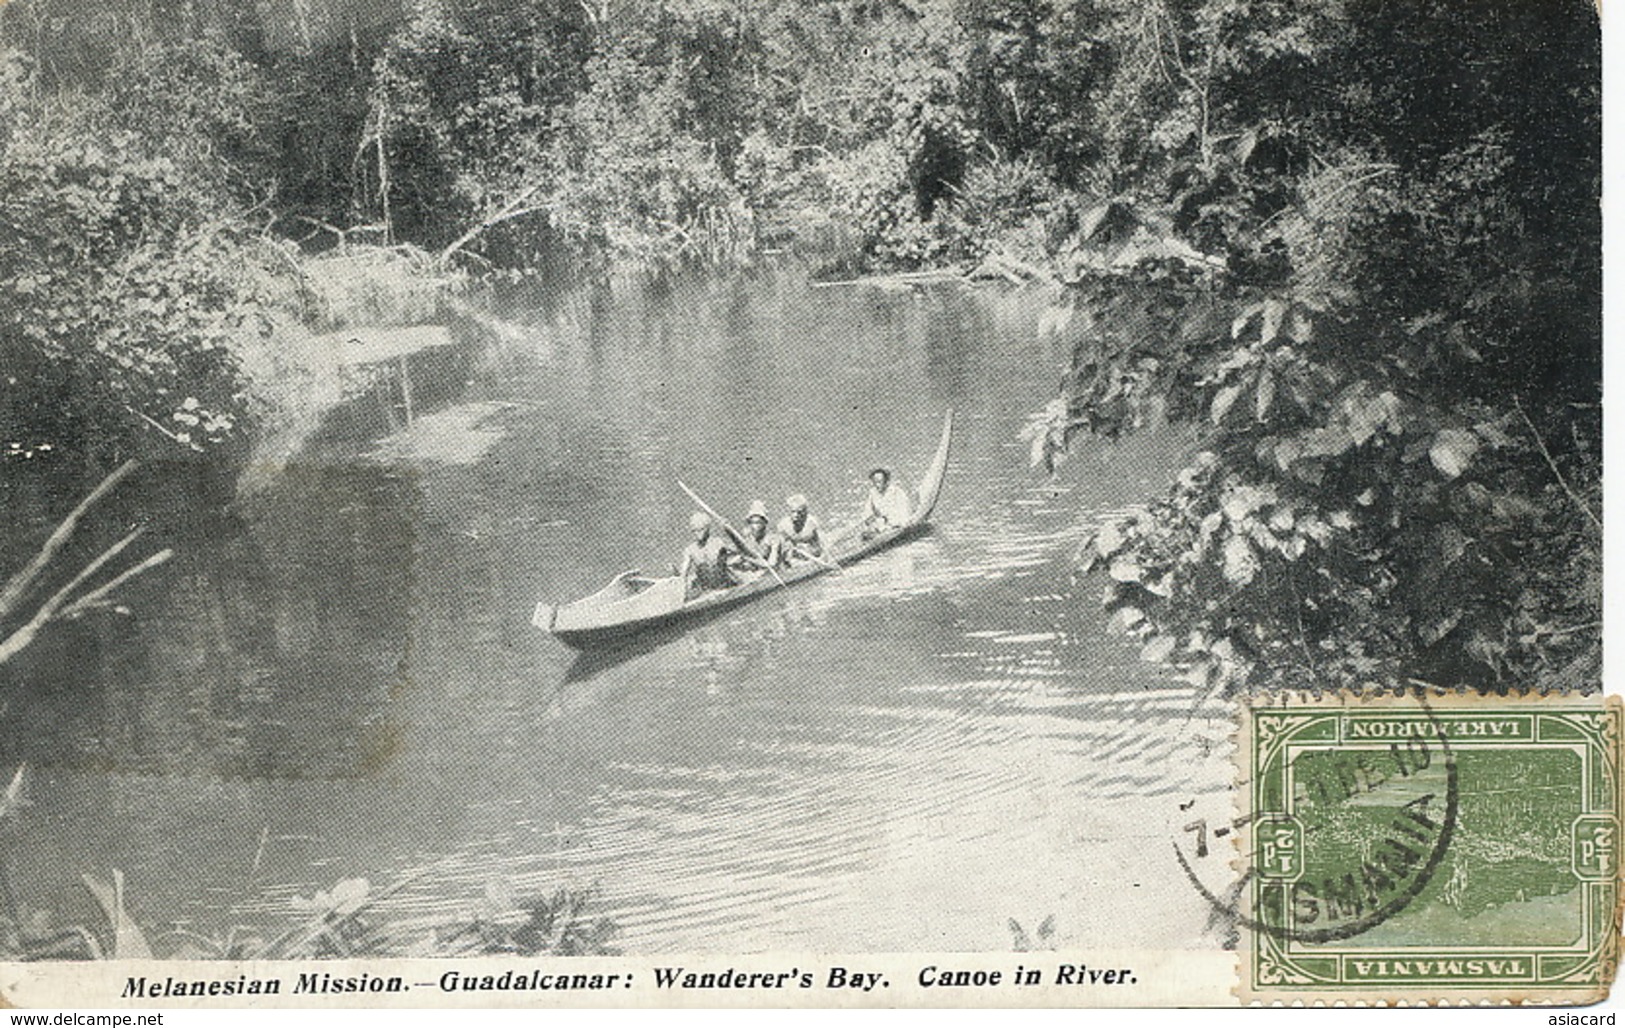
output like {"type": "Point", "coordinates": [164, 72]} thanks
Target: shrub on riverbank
{"type": "Point", "coordinates": [339, 923]}
{"type": "Point", "coordinates": [147, 316]}
{"type": "Point", "coordinates": [1384, 314]}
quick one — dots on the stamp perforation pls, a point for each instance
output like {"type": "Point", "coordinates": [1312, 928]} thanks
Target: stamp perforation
{"type": "Point", "coordinates": [1279, 961]}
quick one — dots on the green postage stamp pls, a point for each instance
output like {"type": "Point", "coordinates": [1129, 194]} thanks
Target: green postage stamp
{"type": "Point", "coordinates": [1439, 849]}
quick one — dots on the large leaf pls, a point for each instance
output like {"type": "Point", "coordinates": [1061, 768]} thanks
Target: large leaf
{"type": "Point", "coordinates": [1096, 218]}
{"type": "Point", "coordinates": [1266, 393]}
{"type": "Point", "coordinates": [1245, 142]}
{"type": "Point", "coordinates": [1210, 525]}
{"type": "Point", "coordinates": [1109, 540]}
{"type": "Point", "coordinates": [1224, 399]}
{"type": "Point", "coordinates": [1301, 327]}
{"type": "Point", "coordinates": [1273, 312]}
{"type": "Point", "coordinates": [1240, 324]}
{"type": "Point", "coordinates": [1368, 416]}
{"type": "Point", "coordinates": [1240, 562]}
{"type": "Point", "coordinates": [1287, 451]}
{"type": "Point", "coordinates": [12, 799]}
{"type": "Point", "coordinates": [1157, 649]}
{"type": "Point", "coordinates": [1452, 451]}
{"type": "Point", "coordinates": [128, 941]}
{"type": "Point", "coordinates": [1432, 631]}
{"type": "Point", "coordinates": [1125, 569]}
{"type": "Point", "coordinates": [1125, 619]}
{"type": "Point", "coordinates": [1243, 500]}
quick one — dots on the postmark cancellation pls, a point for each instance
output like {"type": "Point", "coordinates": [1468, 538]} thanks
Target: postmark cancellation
{"type": "Point", "coordinates": [1428, 849]}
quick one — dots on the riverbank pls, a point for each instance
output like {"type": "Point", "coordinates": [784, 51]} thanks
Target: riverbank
{"type": "Point", "coordinates": [338, 923]}
{"type": "Point", "coordinates": [343, 666]}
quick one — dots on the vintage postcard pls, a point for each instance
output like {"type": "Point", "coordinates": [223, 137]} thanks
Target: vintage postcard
{"type": "Point", "coordinates": [868, 503]}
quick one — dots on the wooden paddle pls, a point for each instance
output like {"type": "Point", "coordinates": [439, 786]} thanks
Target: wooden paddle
{"type": "Point", "coordinates": [815, 558]}
{"type": "Point", "coordinates": [745, 545]}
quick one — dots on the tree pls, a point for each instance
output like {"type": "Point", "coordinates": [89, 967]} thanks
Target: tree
{"type": "Point", "coordinates": [117, 294]}
{"type": "Point", "coordinates": [1396, 366]}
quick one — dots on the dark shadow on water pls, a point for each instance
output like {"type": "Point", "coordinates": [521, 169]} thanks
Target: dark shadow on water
{"type": "Point", "coordinates": [590, 663]}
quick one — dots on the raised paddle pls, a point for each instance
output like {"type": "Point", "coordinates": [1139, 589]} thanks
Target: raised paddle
{"type": "Point", "coordinates": [744, 544]}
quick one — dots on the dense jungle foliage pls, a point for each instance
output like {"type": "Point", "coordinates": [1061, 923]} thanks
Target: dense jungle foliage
{"type": "Point", "coordinates": [1357, 242]}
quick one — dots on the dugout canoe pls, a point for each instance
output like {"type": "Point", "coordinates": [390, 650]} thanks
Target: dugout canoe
{"type": "Point", "coordinates": [633, 603]}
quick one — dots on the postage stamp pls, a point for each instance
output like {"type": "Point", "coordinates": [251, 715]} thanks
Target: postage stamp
{"type": "Point", "coordinates": [1443, 849]}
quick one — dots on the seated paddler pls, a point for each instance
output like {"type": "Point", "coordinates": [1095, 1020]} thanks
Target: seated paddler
{"type": "Point", "coordinates": [800, 533]}
{"type": "Point", "coordinates": [763, 548]}
{"type": "Point", "coordinates": [887, 505]}
{"type": "Point", "coordinates": [705, 559]}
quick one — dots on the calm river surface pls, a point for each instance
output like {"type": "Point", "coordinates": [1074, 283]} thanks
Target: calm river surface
{"type": "Point", "coordinates": [342, 681]}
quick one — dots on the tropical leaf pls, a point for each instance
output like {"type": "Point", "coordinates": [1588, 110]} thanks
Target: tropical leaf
{"type": "Point", "coordinates": [128, 941]}
{"type": "Point", "coordinates": [1266, 394]}
{"type": "Point", "coordinates": [12, 798]}
{"type": "Point", "coordinates": [1300, 327]}
{"type": "Point", "coordinates": [1274, 310]}
{"type": "Point", "coordinates": [1366, 416]}
{"type": "Point", "coordinates": [1239, 325]}
{"type": "Point", "coordinates": [1452, 451]}
{"type": "Point", "coordinates": [1125, 569]}
{"type": "Point", "coordinates": [1240, 562]}
{"type": "Point", "coordinates": [1125, 619]}
{"type": "Point", "coordinates": [1224, 399]}
{"type": "Point", "coordinates": [1157, 649]}
{"type": "Point", "coordinates": [1109, 540]}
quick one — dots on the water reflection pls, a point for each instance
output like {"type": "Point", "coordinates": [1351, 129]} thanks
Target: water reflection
{"type": "Point", "coordinates": [803, 771]}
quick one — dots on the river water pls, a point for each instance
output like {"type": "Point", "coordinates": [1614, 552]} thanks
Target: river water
{"type": "Point", "coordinates": [338, 678]}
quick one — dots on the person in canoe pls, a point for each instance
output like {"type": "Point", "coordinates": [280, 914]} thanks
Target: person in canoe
{"type": "Point", "coordinates": [887, 505]}
{"type": "Point", "coordinates": [768, 547]}
{"type": "Point", "coordinates": [801, 536]}
{"type": "Point", "coordinates": [705, 560]}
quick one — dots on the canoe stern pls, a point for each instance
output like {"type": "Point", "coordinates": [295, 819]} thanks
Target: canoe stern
{"type": "Point", "coordinates": [542, 617]}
